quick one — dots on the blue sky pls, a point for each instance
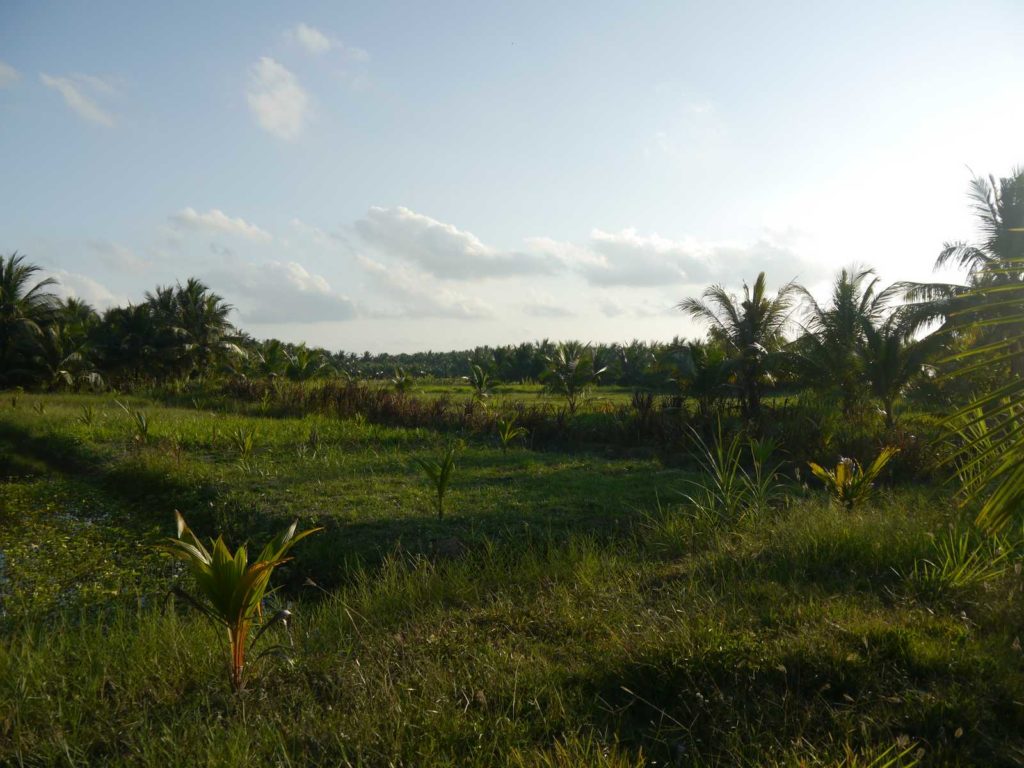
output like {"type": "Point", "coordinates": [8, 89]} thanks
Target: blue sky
{"type": "Point", "coordinates": [395, 177]}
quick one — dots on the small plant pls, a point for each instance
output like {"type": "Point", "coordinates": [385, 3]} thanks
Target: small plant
{"type": "Point", "coordinates": [177, 447]}
{"type": "Point", "coordinates": [39, 407]}
{"type": "Point", "coordinates": [509, 432]}
{"type": "Point", "coordinates": [439, 472]}
{"type": "Point", "coordinates": [264, 405]}
{"type": "Point", "coordinates": [231, 589]}
{"type": "Point", "coordinates": [960, 561]}
{"type": "Point", "coordinates": [762, 481]}
{"type": "Point", "coordinates": [243, 440]}
{"type": "Point", "coordinates": [314, 443]}
{"type": "Point", "coordinates": [480, 382]}
{"type": "Point", "coordinates": [138, 420]}
{"type": "Point", "coordinates": [16, 396]}
{"type": "Point", "coordinates": [849, 484]}
{"type": "Point", "coordinates": [401, 381]}
{"type": "Point", "coordinates": [87, 417]}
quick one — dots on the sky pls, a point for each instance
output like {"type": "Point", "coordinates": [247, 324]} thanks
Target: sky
{"type": "Point", "coordinates": [410, 176]}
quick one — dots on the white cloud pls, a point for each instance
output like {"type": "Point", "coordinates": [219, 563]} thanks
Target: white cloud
{"type": "Point", "coordinates": [280, 105]}
{"type": "Point", "coordinates": [74, 285]}
{"type": "Point", "coordinates": [311, 38]}
{"type": "Point", "coordinates": [281, 292]}
{"type": "Point", "coordinates": [440, 249]}
{"type": "Point", "coordinates": [414, 294]}
{"type": "Point", "coordinates": [630, 259]}
{"type": "Point", "coordinates": [8, 75]}
{"type": "Point", "coordinates": [216, 220]}
{"type": "Point", "coordinates": [79, 93]}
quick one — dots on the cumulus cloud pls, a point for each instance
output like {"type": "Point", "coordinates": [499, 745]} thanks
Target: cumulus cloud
{"type": "Point", "coordinates": [217, 221]}
{"type": "Point", "coordinates": [8, 75]}
{"type": "Point", "coordinates": [414, 294]}
{"type": "Point", "coordinates": [281, 292]}
{"type": "Point", "coordinates": [310, 38]}
{"type": "Point", "coordinates": [440, 249]}
{"type": "Point", "coordinates": [630, 259]}
{"type": "Point", "coordinates": [80, 93]}
{"type": "Point", "coordinates": [280, 105]}
{"type": "Point", "coordinates": [76, 286]}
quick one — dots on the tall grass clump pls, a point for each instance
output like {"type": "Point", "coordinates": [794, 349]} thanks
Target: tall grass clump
{"type": "Point", "coordinates": [727, 489]}
{"type": "Point", "coordinates": [961, 560]}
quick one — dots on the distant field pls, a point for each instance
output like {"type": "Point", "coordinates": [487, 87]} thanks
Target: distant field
{"type": "Point", "coordinates": [570, 609]}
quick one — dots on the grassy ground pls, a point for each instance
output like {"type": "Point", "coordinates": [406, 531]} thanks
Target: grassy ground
{"type": "Point", "coordinates": [568, 610]}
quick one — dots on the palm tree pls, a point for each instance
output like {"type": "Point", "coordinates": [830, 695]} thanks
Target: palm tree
{"type": "Point", "coordinates": [126, 342]}
{"type": "Point", "coordinates": [829, 353]}
{"type": "Point", "coordinates": [892, 358]}
{"type": "Point", "coordinates": [271, 358]}
{"type": "Point", "coordinates": [25, 308]}
{"type": "Point", "coordinates": [992, 265]}
{"type": "Point", "coordinates": [571, 372]}
{"type": "Point", "coordinates": [61, 359]}
{"type": "Point", "coordinates": [751, 331]}
{"type": "Point", "coordinates": [991, 309]}
{"type": "Point", "coordinates": [703, 373]}
{"type": "Point", "coordinates": [202, 322]}
{"type": "Point", "coordinates": [306, 364]}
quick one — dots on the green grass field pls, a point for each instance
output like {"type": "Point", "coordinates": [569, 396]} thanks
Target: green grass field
{"type": "Point", "coordinates": [567, 610]}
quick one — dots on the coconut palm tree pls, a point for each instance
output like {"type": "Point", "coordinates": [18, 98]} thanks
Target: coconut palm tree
{"type": "Point", "coordinates": [829, 353]}
{"type": "Point", "coordinates": [892, 358]}
{"type": "Point", "coordinates": [201, 321]}
{"type": "Point", "coordinates": [990, 310]}
{"type": "Point", "coordinates": [571, 372]}
{"type": "Point", "coordinates": [992, 264]}
{"type": "Point", "coordinates": [306, 363]}
{"type": "Point", "coordinates": [751, 330]}
{"type": "Point", "coordinates": [61, 359]}
{"type": "Point", "coordinates": [26, 306]}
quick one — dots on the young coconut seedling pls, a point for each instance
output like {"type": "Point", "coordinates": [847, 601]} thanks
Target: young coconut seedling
{"type": "Point", "coordinates": [509, 432]}
{"type": "Point", "coordinates": [231, 589]}
{"type": "Point", "coordinates": [849, 483]}
{"type": "Point", "coordinates": [439, 473]}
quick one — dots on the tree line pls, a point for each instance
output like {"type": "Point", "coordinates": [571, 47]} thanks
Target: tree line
{"type": "Point", "coordinates": [864, 347]}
